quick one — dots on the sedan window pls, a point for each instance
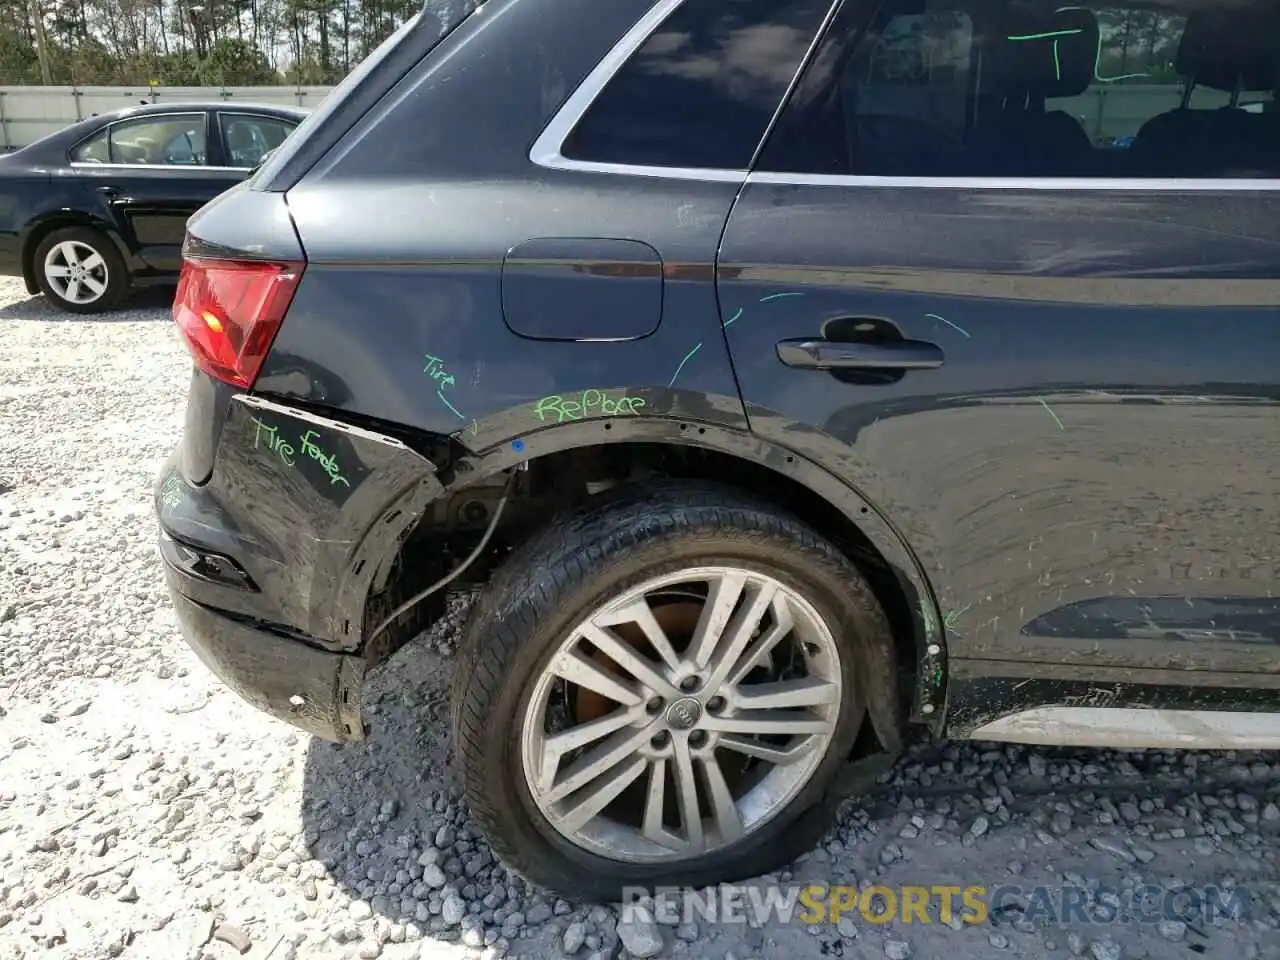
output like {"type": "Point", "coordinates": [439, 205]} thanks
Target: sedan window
{"type": "Point", "coordinates": [93, 150]}
{"type": "Point", "coordinates": [159, 141]}
{"type": "Point", "coordinates": [248, 137]}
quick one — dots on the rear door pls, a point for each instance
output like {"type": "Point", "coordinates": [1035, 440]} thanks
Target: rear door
{"type": "Point", "coordinates": [953, 278]}
{"type": "Point", "coordinates": [150, 174]}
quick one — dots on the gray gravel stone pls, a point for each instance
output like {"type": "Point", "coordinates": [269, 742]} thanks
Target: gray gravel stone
{"type": "Point", "coordinates": [433, 876]}
{"type": "Point", "coordinates": [640, 934]}
{"type": "Point", "coordinates": [453, 909]}
{"type": "Point", "coordinates": [575, 935]}
{"type": "Point", "coordinates": [360, 910]}
{"type": "Point", "coordinates": [688, 932]}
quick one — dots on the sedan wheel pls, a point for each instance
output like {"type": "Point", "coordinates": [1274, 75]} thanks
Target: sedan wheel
{"type": "Point", "coordinates": [80, 270]}
{"type": "Point", "coordinates": [77, 272]}
{"type": "Point", "coordinates": [662, 690]}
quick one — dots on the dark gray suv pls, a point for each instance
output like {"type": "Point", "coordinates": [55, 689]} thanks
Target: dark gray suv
{"type": "Point", "coordinates": [788, 376]}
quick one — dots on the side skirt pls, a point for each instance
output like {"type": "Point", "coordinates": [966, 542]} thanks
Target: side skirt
{"type": "Point", "coordinates": [1116, 708]}
{"type": "Point", "coordinates": [1131, 728]}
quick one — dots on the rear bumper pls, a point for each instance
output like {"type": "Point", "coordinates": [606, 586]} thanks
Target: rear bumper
{"type": "Point", "coordinates": [314, 690]}
{"type": "Point", "coordinates": [274, 563]}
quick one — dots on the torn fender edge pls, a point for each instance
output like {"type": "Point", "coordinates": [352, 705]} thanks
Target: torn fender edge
{"type": "Point", "coordinates": [322, 502]}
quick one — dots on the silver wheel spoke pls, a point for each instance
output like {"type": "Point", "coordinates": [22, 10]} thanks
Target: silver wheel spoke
{"type": "Point", "coordinates": [73, 290]}
{"type": "Point", "coordinates": [576, 668]}
{"type": "Point", "coordinates": [95, 286]}
{"type": "Point", "coordinates": [556, 746]}
{"type": "Point", "coordinates": [739, 633]}
{"type": "Point", "coordinates": [778, 756]}
{"type": "Point", "coordinates": [687, 792]}
{"type": "Point", "coordinates": [721, 600]}
{"type": "Point", "coordinates": [769, 722]}
{"type": "Point", "coordinates": [757, 654]}
{"type": "Point", "coordinates": [57, 270]}
{"type": "Point", "coordinates": [654, 801]}
{"type": "Point", "coordinates": [641, 614]}
{"type": "Point", "coordinates": [602, 794]}
{"type": "Point", "coordinates": [596, 762]}
{"type": "Point", "coordinates": [801, 692]}
{"type": "Point", "coordinates": [93, 261]}
{"type": "Point", "coordinates": [723, 807]}
{"type": "Point", "coordinates": [608, 643]}
{"type": "Point", "coordinates": [70, 254]}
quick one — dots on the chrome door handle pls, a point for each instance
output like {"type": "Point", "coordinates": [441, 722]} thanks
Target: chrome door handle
{"type": "Point", "coordinates": [841, 355]}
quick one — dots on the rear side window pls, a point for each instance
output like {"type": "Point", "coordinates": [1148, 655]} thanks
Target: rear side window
{"type": "Point", "coordinates": [247, 138]}
{"type": "Point", "coordinates": [1035, 88]}
{"type": "Point", "coordinates": [702, 88]}
{"type": "Point", "coordinates": [93, 150]}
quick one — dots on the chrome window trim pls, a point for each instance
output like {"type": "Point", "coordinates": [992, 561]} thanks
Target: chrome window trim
{"type": "Point", "coordinates": [1076, 184]}
{"type": "Point", "coordinates": [82, 165]}
{"type": "Point", "coordinates": [546, 150]}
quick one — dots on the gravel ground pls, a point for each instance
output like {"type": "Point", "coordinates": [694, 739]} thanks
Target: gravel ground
{"type": "Point", "coordinates": [147, 812]}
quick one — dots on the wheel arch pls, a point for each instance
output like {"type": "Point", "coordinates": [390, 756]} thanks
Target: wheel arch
{"type": "Point", "coordinates": [743, 461]}
{"type": "Point", "coordinates": [38, 229]}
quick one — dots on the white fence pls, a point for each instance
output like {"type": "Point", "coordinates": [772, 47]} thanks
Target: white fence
{"type": "Point", "coordinates": [29, 113]}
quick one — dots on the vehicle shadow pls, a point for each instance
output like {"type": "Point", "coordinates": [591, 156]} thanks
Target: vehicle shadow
{"type": "Point", "coordinates": [145, 300]}
{"type": "Point", "coordinates": [381, 813]}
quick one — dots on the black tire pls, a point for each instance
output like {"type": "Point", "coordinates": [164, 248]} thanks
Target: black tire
{"type": "Point", "coordinates": [116, 273]}
{"type": "Point", "coordinates": [555, 579]}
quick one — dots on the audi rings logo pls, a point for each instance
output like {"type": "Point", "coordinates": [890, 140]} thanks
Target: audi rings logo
{"type": "Point", "coordinates": [683, 714]}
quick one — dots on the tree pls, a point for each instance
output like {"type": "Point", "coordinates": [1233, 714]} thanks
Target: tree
{"type": "Point", "coordinates": [235, 63]}
{"type": "Point", "coordinates": [187, 42]}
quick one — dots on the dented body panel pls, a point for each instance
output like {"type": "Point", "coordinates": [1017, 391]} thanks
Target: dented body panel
{"type": "Point", "coordinates": [308, 505]}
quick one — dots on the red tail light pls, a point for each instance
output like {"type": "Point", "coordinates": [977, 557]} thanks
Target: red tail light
{"type": "Point", "coordinates": [229, 312]}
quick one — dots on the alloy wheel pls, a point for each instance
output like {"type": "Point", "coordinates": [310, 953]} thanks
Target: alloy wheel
{"type": "Point", "coordinates": [682, 716]}
{"type": "Point", "coordinates": [76, 271]}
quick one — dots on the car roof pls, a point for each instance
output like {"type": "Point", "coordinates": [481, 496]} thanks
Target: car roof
{"type": "Point", "coordinates": [149, 109]}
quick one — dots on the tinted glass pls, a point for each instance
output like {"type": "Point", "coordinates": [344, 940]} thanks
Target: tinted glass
{"type": "Point", "coordinates": [701, 91]}
{"type": "Point", "coordinates": [1005, 88]}
{"type": "Point", "coordinates": [161, 141]}
{"type": "Point", "coordinates": [93, 150]}
{"type": "Point", "coordinates": [247, 139]}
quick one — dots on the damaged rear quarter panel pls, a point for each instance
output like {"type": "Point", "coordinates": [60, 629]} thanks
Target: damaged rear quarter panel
{"type": "Point", "coordinates": [310, 504]}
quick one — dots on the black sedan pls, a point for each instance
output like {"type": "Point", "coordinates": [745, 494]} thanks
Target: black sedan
{"type": "Point", "coordinates": [97, 208]}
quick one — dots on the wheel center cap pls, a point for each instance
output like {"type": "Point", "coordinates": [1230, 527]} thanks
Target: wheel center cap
{"type": "Point", "coordinates": [684, 713]}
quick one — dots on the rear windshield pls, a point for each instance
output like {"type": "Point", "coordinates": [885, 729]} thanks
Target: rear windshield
{"type": "Point", "coordinates": [432, 23]}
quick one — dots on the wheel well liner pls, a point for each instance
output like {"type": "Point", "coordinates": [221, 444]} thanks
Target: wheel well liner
{"type": "Point", "coordinates": [782, 476]}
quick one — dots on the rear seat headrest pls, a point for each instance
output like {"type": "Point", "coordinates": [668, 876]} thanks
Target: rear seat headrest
{"type": "Point", "coordinates": [1221, 49]}
{"type": "Point", "coordinates": [1046, 56]}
